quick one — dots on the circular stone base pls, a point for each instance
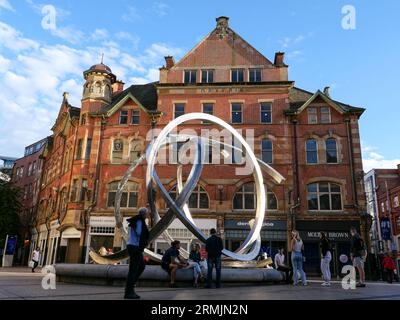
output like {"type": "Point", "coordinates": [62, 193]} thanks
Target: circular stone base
{"type": "Point", "coordinates": [155, 276]}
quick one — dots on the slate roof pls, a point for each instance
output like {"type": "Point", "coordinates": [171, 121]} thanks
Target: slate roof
{"type": "Point", "coordinates": [74, 111]}
{"type": "Point", "coordinates": [146, 94]}
{"type": "Point", "coordinates": [297, 97]}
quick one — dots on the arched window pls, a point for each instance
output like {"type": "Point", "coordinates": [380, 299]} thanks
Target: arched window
{"type": "Point", "coordinates": [198, 198]}
{"type": "Point", "coordinates": [245, 198]}
{"type": "Point", "coordinates": [63, 201]}
{"type": "Point", "coordinates": [266, 150]}
{"type": "Point", "coordinates": [129, 198]}
{"type": "Point", "coordinates": [324, 196]}
{"type": "Point", "coordinates": [135, 149]}
{"type": "Point", "coordinates": [312, 151]}
{"type": "Point", "coordinates": [117, 150]}
{"type": "Point", "coordinates": [331, 151]}
{"type": "Point", "coordinates": [98, 88]}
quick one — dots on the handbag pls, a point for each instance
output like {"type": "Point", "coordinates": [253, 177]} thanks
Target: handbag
{"type": "Point", "coordinates": [31, 264]}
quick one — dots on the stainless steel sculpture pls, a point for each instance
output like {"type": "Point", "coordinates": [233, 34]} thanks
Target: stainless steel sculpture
{"type": "Point", "coordinates": [178, 208]}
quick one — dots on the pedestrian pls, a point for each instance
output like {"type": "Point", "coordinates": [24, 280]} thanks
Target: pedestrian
{"type": "Point", "coordinates": [138, 237]}
{"type": "Point", "coordinates": [281, 266]}
{"type": "Point", "coordinates": [214, 249]}
{"type": "Point", "coordinates": [194, 262]}
{"type": "Point", "coordinates": [389, 267]}
{"type": "Point", "coordinates": [326, 257]}
{"type": "Point", "coordinates": [172, 261]}
{"type": "Point", "coordinates": [35, 258]}
{"type": "Point", "coordinates": [358, 255]}
{"type": "Point", "coordinates": [297, 258]}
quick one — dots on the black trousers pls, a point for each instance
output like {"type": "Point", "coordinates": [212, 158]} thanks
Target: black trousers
{"type": "Point", "coordinates": [35, 264]}
{"type": "Point", "coordinates": [288, 271]}
{"type": "Point", "coordinates": [136, 267]}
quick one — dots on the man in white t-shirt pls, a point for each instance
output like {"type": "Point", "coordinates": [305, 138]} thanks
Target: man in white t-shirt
{"type": "Point", "coordinates": [281, 266]}
{"type": "Point", "coordinates": [35, 258]}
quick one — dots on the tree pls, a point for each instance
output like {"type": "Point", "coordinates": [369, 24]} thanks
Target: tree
{"type": "Point", "coordinates": [10, 207]}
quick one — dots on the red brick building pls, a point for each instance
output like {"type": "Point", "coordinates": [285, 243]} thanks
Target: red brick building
{"type": "Point", "coordinates": [26, 175]}
{"type": "Point", "coordinates": [310, 138]}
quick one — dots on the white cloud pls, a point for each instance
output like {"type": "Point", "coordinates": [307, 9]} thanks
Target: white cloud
{"type": "Point", "coordinates": [131, 14]}
{"type": "Point", "coordinates": [161, 8]}
{"type": "Point", "coordinates": [34, 76]}
{"type": "Point", "coordinates": [100, 34]}
{"type": "Point", "coordinates": [5, 4]}
{"type": "Point", "coordinates": [372, 159]}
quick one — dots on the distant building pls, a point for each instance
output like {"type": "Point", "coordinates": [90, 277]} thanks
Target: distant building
{"type": "Point", "coordinates": [6, 166]}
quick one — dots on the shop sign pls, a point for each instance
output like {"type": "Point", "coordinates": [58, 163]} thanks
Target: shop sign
{"type": "Point", "coordinates": [267, 225]}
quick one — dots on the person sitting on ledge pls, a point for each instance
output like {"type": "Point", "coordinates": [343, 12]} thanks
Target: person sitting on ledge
{"type": "Point", "coordinates": [172, 261]}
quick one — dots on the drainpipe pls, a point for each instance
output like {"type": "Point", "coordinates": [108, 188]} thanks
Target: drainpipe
{"type": "Point", "coordinates": [352, 172]}
{"type": "Point", "coordinates": [295, 175]}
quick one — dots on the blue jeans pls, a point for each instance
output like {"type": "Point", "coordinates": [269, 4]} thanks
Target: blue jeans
{"type": "Point", "coordinates": [211, 262]}
{"type": "Point", "coordinates": [297, 262]}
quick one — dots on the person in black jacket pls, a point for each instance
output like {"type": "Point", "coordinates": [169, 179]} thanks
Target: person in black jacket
{"type": "Point", "coordinates": [137, 242]}
{"type": "Point", "coordinates": [214, 249]}
{"type": "Point", "coordinates": [326, 257]}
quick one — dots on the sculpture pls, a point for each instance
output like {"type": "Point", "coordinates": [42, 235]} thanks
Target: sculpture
{"type": "Point", "coordinates": [178, 208]}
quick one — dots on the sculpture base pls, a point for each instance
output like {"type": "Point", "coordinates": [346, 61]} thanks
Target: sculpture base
{"type": "Point", "coordinates": [154, 276]}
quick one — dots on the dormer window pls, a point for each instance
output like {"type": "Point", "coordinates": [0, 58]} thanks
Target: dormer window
{"type": "Point", "coordinates": [255, 75]}
{"type": "Point", "coordinates": [190, 76]}
{"type": "Point", "coordinates": [237, 75]}
{"type": "Point", "coordinates": [207, 76]}
{"type": "Point", "coordinates": [123, 117]}
{"type": "Point", "coordinates": [325, 115]}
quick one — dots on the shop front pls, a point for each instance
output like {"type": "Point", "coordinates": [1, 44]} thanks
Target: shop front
{"type": "Point", "coordinates": [178, 231]}
{"type": "Point", "coordinates": [34, 242]}
{"type": "Point", "coordinates": [338, 232]}
{"type": "Point", "coordinates": [273, 234]}
{"type": "Point", "coordinates": [70, 245]}
{"type": "Point", "coordinates": [54, 241]}
{"type": "Point", "coordinates": [42, 243]}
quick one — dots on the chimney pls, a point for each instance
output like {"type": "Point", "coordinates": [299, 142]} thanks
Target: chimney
{"type": "Point", "coordinates": [279, 59]}
{"type": "Point", "coordinates": [169, 62]}
{"type": "Point", "coordinates": [65, 96]}
{"type": "Point", "coordinates": [117, 87]}
{"type": "Point", "coordinates": [326, 91]}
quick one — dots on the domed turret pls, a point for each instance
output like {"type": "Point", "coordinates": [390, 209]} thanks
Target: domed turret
{"type": "Point", "coordinates": [98, 86]}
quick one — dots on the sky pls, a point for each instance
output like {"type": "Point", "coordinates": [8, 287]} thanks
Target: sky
{"type": "Point", "coordinates": [352, 46]}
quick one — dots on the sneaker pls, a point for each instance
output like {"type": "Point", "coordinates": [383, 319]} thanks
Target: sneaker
{"type": "Point", "coordinates": [326, 284]}
{"type": "Point", "coordinates": [360, 285]}
{"type": "Point", "coordinates": [305, 284]}
{"type": "Point", "coordinates": [131, 296]}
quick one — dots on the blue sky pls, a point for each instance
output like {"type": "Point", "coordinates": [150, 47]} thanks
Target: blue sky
{"type": "Point", "coordinates": [37, 64]}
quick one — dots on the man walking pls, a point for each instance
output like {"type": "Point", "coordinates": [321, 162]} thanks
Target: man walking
{"type": "Point", "coordinates": [138, 236]}
{"type": "Point", "coordinates": [214, 249]}
{"type": "Point", "coordinates": [281, 266]}
{"type": "Point", "coordinates": [35, 258]}
{"type": "Point", "coordinates": [358, 255]}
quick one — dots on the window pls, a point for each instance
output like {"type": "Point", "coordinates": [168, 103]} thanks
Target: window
{"type": "Point", "coordinates": [396, 202]}
{"type": "Point", "coordinates": [176, 147]}
{"type": "Point", "coordinates": [63, 201]}
{"type": "Point", "coordinates": [83, 119]}
{"type": "Point", "coordinates": [237, 75]}
{"type": "Point", "coordinates": [255, 75]}
{"type": "Point", "coordinates": [34, 167]}
{"type": "Point", "coordinates": [197, 200]}
{"type": "Point", "coordinates": [312, 151]}
{"type": "Point", "coordinates": [79, 149]}
{"type": "Point", "coordinates": [129, 197]}
{"type": "Point", "coordinates": [207, 76]}
{"type": "Point", "coordinates": [266, 112]}
{"type": "Point", "coordinates": [84, 188]}
{"type": "Point", "coordinates": [245, 198]}
{"type": "Point", "coordinates": [123, 117]}
{"type": "Point", "coordinates": [383, 207]}
{"type": "Point", "coordinates": [135, 150]}
{"type": "Point", "coordinates": [135, 117]}
{"type": "Point", "coordinates": [331, 151]}
{"type": "Point", "coordinates": [236, 113]}
{"type": "Point", "coordinates": [190, 76]}
{"type": "Point", "coordinates": [29, 169]}
{"type": "Point", "coordinates": [324, 196]}
{"type": "Point", "coordinates": [88, 148]}
{"type": "Point", "coordinates": [179, 110]}
{"type": "Point", "coordinates": [208, 108]}
{"type": "Point", "coordinates": [325, 115]}
{"type": "Point", "coordinates": [21, 172]}
{"type": "Point", "coordinates": [118, 149]}
{"type": "Point", "coordinates": [74, 190]}
{"type": "Point", "coordinates": [312, 115]}
{"type": "Point", "coordinates": [266, 149]}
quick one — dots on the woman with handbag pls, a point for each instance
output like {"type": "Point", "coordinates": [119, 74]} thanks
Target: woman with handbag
{"type": "Point", "coordinates": [35, 259]}
{"type": "Point", "coordinates": [297, 246]}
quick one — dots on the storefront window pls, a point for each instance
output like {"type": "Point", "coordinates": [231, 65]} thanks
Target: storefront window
{"type": "Point", "coordinates": [245, 198]}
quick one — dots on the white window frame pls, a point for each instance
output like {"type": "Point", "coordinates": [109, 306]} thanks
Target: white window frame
{"type": "Point", "coordinates": [314, 114]}
{"type": "Point", "coordinates": [318, 193]}
{"type": "Point", "coordinates": [241, 111]}
{"type": "Point", "coordinates": [316, 141]}
{"type": "Point", "coordinates": [328, 113]}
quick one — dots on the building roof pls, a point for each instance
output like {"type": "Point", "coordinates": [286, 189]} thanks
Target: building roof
{"type": "Point", "coordinates": [74, 111]}
{"type": "Point", "coordinates": [145, 94]}
{"type": "Point", "coordinates": [298, 97]}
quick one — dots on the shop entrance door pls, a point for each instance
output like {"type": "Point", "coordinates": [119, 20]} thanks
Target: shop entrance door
{"type": "Point", "coordinates": [73, 251]}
